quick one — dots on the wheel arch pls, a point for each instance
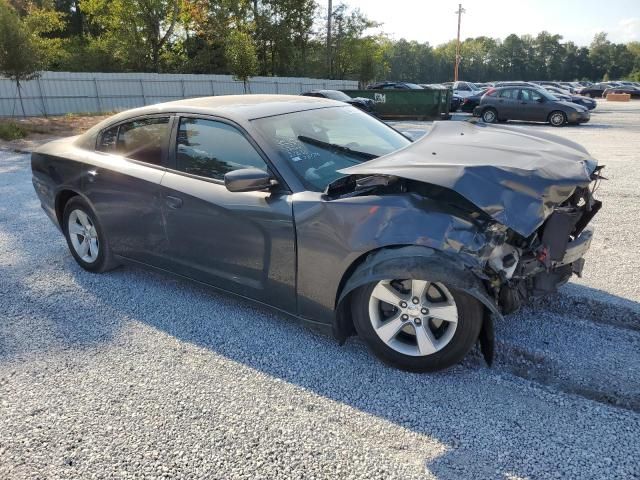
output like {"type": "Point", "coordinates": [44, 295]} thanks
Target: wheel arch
{"type": "Point", "coordinates": [62, 197]}
{"type": "Point", "coordinates": [413, 261]}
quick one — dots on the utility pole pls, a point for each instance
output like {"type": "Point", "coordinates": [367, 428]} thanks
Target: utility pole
{"type": "Point", "coordinates": [329, 15]}
{"type": "Point", "coordinates": [459, 12]}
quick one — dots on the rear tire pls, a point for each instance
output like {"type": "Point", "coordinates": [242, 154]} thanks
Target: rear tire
{"type": "Point", "coordinates": [451, 324]}
{"type": "Point", "coordinates": [489, 115]}
{"type": "Point", "coordinates": [85, 237]}
{"type": "Point", "coordinates": [557, 118]}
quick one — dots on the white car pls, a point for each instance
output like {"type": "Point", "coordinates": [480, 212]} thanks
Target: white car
{"type": "Point", "coordinates": [464, 89]}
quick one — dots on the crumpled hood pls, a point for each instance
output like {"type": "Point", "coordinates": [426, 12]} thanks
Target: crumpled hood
{"type": "Point", "coordinates": [513, 175]}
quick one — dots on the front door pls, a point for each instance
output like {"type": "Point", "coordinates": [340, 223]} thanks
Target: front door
{"type": "Point", "coordinates": [532, 106]}
{"type": "Point", "coordinates": [243, 242]}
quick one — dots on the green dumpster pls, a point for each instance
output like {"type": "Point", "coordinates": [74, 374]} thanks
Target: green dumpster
{"type": "Point", "coordinates": [425, 104]}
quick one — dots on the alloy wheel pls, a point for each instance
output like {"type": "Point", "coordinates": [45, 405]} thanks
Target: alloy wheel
{"type": "Point", "coordinates": [557, 119]}
{"type": "Point", "coordinates": [83, 236]}
{"type": "Point", "coordinates": [489, 116]}
{"type": "Point", "coordinates": [413, 317]}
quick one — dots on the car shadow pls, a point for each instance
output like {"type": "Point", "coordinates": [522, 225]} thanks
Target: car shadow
{"type": "Point", "coordinates": [476, 413]}
{"type": "Point", "coordinates": [280, 347]}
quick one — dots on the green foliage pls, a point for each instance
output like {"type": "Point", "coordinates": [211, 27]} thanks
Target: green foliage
{"type": "Point", "coordinates": [136, 32]}
{"type": "Point", "coordinates": [287, 38]}
{"type": "Point", "coordinates": [11, 131]}
{"type": "Point", "coordinates": [241, 57]}
{"type": "Point", "coordinates": [20, 55]}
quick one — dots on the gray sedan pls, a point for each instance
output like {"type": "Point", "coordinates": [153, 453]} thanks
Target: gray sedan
{"type": "Point", "coordinates": [318, 210]}
{"type": "Point", "coordinates": [529, 104]}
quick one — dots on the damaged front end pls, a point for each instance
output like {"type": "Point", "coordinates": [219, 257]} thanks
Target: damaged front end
{"type": "Point", "coordinates": [522, 268]}
{"type": "Point", "coordinates": [535, 191]}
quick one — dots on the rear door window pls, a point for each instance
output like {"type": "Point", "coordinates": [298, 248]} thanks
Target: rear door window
{"type": "Point", "coordinates": [142, 139]}
{"type": "Point", "coordinates": [509, 93]}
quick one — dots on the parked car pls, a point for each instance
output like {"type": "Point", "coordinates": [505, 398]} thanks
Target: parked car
{"type": "Point", "coordinates": [545, 83]}
{"type": "Point", "coordinates": [456, 101]}
{"type": "Point", "coordinates": [394, 86]}
{"type": "Point", "coordinates": [324, 212]}
{"type": "Point", "coordinates": [469, 103]}
{"type": "Point", "coordinates": [464, 89]}
{"type": "Point", "coordinates": [632, 91]}
{"type": "Point", "coordinates": [594, 91]}
{"type": "Point", "coordinates": [569, 86]}
{"type": "Point", "coordinates": [516, 83]}
{"type": "Point", "coordinates": [578, 99]}
{"type": "Point", "coordinates": [364, 104]}
{"type": "Point", "coordinates": [530, 104]}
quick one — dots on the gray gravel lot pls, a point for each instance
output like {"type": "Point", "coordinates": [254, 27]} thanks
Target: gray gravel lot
{"type": "Point", "coordinates": [132, 374]}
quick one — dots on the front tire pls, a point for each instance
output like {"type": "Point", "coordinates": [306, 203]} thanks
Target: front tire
{"type": "Point", "coordinates": [85, 237]}
{"type": "Point", "coordinates": [557, 118]}
{"type": "Point", "coordinates": [416, 325]}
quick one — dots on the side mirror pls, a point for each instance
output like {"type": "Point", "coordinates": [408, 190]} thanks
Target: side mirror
{"type": "Point", "coordinates": [248, 180]}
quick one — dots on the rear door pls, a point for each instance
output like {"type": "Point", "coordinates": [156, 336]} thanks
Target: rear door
{"type": "Point", "coordinates": [122, 182]}
{"type": "Point", "coordinates": [506, 103]}
{"type": "Point", "coordinates": [243, 242]}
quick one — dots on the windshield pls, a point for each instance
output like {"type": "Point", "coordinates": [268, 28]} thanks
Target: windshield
{"type": "Point", "coordinates": [317, 143]}
{"type": "Point", "coordinates": [336, 95]}
{"type": "Point", "coordinates": [548, 95]}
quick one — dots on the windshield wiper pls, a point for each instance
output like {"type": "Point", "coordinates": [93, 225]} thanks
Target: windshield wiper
{"type": "Point", "coordinates": [336, 147]}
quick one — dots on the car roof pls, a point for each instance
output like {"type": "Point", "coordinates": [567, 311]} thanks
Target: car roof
{"type": "Point", "coordinates": [238, 108]}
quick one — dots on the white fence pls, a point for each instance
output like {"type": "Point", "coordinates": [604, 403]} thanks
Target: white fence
{"type": "Point", "coordinates": [58, 93]}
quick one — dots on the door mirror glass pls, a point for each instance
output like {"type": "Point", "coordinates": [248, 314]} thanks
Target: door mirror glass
{"type": "Point", "coordinates": [248, 180]}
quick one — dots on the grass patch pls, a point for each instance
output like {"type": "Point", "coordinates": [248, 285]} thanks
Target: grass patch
{"type": "Point", "coordinates": [11, 131]}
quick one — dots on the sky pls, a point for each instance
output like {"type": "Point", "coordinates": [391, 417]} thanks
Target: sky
{"type": "Point", "coordinates": [435, 21]}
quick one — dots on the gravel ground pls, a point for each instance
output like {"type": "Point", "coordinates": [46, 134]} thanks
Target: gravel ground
{"type": "Point", "coordinates": [132, 374]}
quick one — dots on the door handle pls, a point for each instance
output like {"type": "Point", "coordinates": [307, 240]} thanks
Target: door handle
{"type": "Point", "coordinates": [174, 202]}
{"type": "Point", "coordinates": [92, 174]}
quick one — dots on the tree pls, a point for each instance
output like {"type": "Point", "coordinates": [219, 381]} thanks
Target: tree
{"type": "Point", "coordinates": [20, 56]}
{"type": "Point", "coordinates": [283, 30]}
{"type": "Point", "coordinates": [240, 53]}
{"type": "Point", "coordinates": [206, 25]}
{"type": "Point", "coordinates": [137, 31]}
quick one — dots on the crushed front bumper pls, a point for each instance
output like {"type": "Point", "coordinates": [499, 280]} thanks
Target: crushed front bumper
{"type": "Point", "coordinates": [576, 249]}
